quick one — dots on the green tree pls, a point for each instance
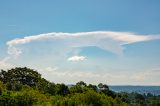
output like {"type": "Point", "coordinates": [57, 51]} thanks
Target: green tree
{"type": "Point", "coordinates": [76, 89]}
{"type": "Point", "coordinates": [61, 89]}
{"type": "Point", "coordinates": [139, 98]}
{"type": "Point", "coordinates": [155, 101]}
{"type": "Point", "coordinates": [100, 85]}
{"type": "Point", "coordinates": [93, 87]}
{"type": "Point", "coordinates": [20, 75]}
{"type": "Point", "coordinates": [81, 83]}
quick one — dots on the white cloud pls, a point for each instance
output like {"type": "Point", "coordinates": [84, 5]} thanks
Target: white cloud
{"type": "Point", "coordinates": [107, 40]}
{"type": "Point", "coordinates": [50, 69]}
{"type": "Point", "coordinates": [14, 51]}
{"type": "Point", "coordinates": [150, 77]}
{"type": "Point", "coordinates": [76, 58]}
{"type": "Point", "coordinates": [4, 63]}
{"type": "Point", "coordinates": [72, 77]}
{"type": "Point", "coordinates": [139, 77]}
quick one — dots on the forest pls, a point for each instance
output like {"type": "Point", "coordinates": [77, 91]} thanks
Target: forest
{"type": "Point", "coordinates": [22, 86]}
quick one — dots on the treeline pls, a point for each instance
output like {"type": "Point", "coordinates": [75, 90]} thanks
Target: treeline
{"type": "Point", "coordinates": [25, 87]}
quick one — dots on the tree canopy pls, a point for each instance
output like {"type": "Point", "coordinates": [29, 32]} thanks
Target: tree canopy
{"type": "Point", "coordinates": [22, 86]}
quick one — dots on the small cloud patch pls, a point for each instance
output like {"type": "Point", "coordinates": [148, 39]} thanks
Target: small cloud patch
{"type": "Point", "coordinates": [76, 58]}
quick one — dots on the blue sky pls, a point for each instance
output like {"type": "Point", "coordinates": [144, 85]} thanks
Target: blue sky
{"type": "Point", "coordinates": [120, 43]}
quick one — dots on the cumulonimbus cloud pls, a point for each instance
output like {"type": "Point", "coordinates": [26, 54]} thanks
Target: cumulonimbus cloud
{"type": "Point", "coordinates": [107, 40]}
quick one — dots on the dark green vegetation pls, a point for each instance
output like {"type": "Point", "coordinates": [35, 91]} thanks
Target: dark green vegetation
{"type": "Point", "coordinates": [26, 87]}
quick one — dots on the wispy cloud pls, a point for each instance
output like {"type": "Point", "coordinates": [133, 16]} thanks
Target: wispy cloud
{"type": "Point", "coordinates": [75, 76]}
{"type": "Point", "coordinates": [107, 40]}
{"type": "Point", "coordinates": [4, 64]}
{"type": "Point", "coordinates": [50, 69]}
{"type": "Point", "coordinates": [76, 58]}
{"type": "Point", "coordinates": [149, 77]}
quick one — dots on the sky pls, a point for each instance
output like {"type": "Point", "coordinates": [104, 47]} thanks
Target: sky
{"type": "Point", "coordinates": [116, 42]}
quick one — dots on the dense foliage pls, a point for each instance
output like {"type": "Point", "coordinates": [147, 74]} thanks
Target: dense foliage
{"type": "Point", "coordinates": [26, 87]}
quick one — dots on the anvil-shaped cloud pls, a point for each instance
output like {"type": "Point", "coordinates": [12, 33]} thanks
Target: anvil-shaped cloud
{"type": "Point", "coordinates": [107, 40]}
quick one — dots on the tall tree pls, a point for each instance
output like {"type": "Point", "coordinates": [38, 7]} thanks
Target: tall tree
{"type": "Point", "coordinates": [20, 75]}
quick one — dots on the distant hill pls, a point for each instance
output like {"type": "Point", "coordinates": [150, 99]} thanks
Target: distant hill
{"type": "Point", "coordinates": [139, 89]}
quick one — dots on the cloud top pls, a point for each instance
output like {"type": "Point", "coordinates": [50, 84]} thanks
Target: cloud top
{"type": "Point", "coordinates": [107, 40]}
